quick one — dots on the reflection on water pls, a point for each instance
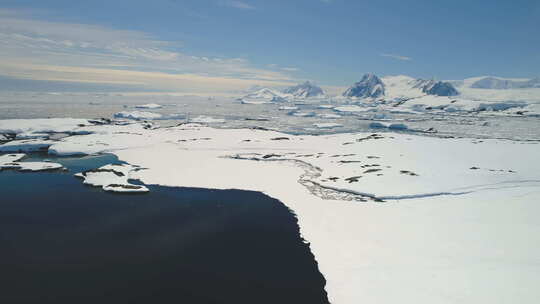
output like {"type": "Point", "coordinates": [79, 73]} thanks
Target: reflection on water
{"type": "Point", "coordinates": [63, 242]}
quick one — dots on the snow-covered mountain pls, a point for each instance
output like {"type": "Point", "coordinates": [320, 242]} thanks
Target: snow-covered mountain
{"type": "Point", "coordinates": [497, 83]}
{"type": "Point", "coordinates": [369, 86]}
{"type": "Point", "coordinates": [403, 88]}
{"type": "Point", "coordinates": [304, 90]}
{"type": "Point", "coordinates": [437, 88]}
{"type": "Point", "coordinates": [265, 93]}
{"type": "Point", "coordinates": [400, 86]}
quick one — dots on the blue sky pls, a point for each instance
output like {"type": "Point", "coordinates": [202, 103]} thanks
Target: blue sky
{"type": "Point", "coordinates": [225, 45]}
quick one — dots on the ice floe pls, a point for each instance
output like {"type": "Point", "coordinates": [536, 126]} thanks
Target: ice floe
{"type": "Point", "coordinates": [327, 125]}
{"type": "Point", "coordinates": [329, 116]}
{"type": "Point", "coordinates": [112, 178]}
{"type": "Point", "coordinates": [288, 108]}
{"type": "Point", "coordinates": [303, 114]}
{"type": "Point", "coordinates": [149, 106]}
{"type": "Point", "coordinates": [36, 166]}
{"type": "Point", "coordinates": [27, 145]}
{"type": "Point", "coordinates": [13, 161]}
{"type": "Point", "coordinates": [206, 119]}
{"type": "Point", "coordinates": [138, 115]}
{"type": "Point", "coordinates": [350, 108]}
{"type": "Point", "coordinates": [9, 158]}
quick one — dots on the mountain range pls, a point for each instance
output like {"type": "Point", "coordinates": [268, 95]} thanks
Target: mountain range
{"type": "Point", "coordinates": [497, 83]}
{"type": "Point", "coordinates": [371, 86]}
{"type": "Point", "coordinates": [304, 90]}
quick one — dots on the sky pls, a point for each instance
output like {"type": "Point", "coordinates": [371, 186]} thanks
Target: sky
{"type": "Point", "coordinates": [213, 47]}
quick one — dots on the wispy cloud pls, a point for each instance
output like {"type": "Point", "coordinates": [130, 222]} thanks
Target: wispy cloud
{"type": "Point", "coordinates": [290, 69]}
{"type": "Point", "coordinates": [398, 57]}
{"type": "Point", "coordinates": [238, 4]}
{"type": "Point", "coordinates": [45, 50]}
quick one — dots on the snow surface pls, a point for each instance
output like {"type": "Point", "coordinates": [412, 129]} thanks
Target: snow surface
{"type": "Point", "coordinates": [9, 158]}
{"type": "Point", "coordinates": [112, 178]}
{"type": "Point", "coordinates": [390, 217]}
{"type": "Point", "coordinates": [51, 125]}
{"type": "Point", "coordinates": [498, 83]}
{"type": "Point", "coordinates": [329, 116]}
{"type": "Point", "coordinates": [27, 145]}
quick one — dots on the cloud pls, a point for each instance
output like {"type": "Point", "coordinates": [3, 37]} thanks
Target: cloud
{"type": "Point", "coordinates": [238, 4]}
{"type": "Point", "coordinates": [398, 57]}
{"type": "Point", "coordinates": [151, 80]}
{"type": "Point", "coordinates": [56, 51]}
{"type": "Point", "coordinates": [290, 69]}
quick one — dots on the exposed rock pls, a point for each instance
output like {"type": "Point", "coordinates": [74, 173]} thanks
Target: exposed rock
{"type": "Point", "coordinates": [280, 138]}
{"type": "Point", "coordinates": [437, 88]}
{"type": "Point", "coordinates": [369, 86]}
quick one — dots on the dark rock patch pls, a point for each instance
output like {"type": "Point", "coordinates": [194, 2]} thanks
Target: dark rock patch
{"type": "Point", "coordinates": [353, 179]}
{"type": "Point", "coordinates": [407, 172]}
{"type": "Point", "coordinates": [280, 138]}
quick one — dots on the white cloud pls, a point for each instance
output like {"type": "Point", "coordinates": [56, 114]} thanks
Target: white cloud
{"type": "Point", "coordinates": [238, 4]}
{"type": "Point", "coordinates": [290, 69]}
{"type": "Point", "coordinates": [398, 57]}
{"type": "Point", "coordinates": [45, 50]}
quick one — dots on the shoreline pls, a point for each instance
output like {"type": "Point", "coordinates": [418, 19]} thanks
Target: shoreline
{"type": "Point", "coordinates": [195, 243]}
{"type": "Point", "coordinates": [355, 243]}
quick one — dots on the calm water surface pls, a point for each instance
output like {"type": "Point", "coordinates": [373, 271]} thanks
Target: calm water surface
{"type": "Point", "coordinates": [63, 242]}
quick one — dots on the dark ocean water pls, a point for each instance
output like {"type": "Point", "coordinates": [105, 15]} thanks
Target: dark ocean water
{"type": "Point", "coordinates": [63, 242]}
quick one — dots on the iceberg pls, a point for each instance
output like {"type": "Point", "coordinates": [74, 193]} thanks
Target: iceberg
{"type": "Point", "coordinates": [149, 106]}
{"type": "Point", "coordinates": [138, 115]}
